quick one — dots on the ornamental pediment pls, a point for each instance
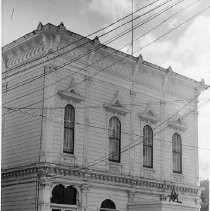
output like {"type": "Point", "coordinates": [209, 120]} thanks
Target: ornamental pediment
{"type": "Point", "coordinates": [71, 93]}
{"type": "Point", "coordinates": [116, 105]}
{"type": "Point", "coordinates": [149, 115]}
{"type": "Point", "coordinates": [177, 124]}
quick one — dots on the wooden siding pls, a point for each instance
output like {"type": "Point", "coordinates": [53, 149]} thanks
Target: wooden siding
{"type": "Point", "coordinates": [22, 128]}
{"type": "Point", "coordinates": [102, 90]}
{"type": "Point", "coordinates": [19, 196]}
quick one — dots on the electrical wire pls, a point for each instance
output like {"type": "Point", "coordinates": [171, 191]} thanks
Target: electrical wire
{"type": "Point", "coordinates": [109, 41]}
{"type": "Point", "coordinates": [93, 164]}
{"type": "Point", "coordinates": [140, 48]}
{"type": "Point", "coordinates": [102, 29]}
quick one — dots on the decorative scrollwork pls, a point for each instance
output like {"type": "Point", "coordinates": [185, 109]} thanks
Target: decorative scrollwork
{"type": "Point", "coordinates": [174, 196]}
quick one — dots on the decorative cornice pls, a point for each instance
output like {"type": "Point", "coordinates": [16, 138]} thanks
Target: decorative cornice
{"type": "Point", "coordinates": [71, 93]}
{"type": "Point", "coordinates": [62, 30]}
{"type": "Point", "coordinates": [54, 171]}
{"type": "Point", "coordinates": [115, 109]}
{"type": "Point", "coordinates": [71, 96]}
{"type": "Point", "coordinates": [19, 173]}
{"type": "Point", "coordinates": [149, 115]}
{"type": "Point", "coordinates": [177, 124]}
{"type": "Point", "coordinates": [116, 105]}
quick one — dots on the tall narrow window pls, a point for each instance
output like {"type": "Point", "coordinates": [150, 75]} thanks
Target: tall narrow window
{"type": "Point", "coordinates": [147, 147]}
{"type": "Point", "coordinates": [177, 153]}
{"type": "Point", "coordinates": [69, 120]}
{"type": "Point", "coordinates": [114, 139]}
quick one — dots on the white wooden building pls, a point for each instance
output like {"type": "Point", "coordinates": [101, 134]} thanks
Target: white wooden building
{"type": "Point", "coordinates": [88, 128]}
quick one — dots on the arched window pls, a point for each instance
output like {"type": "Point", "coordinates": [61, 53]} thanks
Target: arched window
{"type": "Point", "coordinates": [177, 153]}
{"type": "Point", "coordinates": [114, 139]}
{"type": "Point", "coordinates": [69, 120]}
{"type": "Point", "coordinates": [147, 147]}
{"type": "Point", "coordinates": [107, 205]}
{"type": "Point", "coordinates": [62, 195]}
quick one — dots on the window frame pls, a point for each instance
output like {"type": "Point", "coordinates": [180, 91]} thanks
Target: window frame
{"type": "Point", "coordinates": [116, 138]}
{"type": "Point", "coordinates": [107, 209]}
{"type": "Point", "coordinates": [61, 205]}
{"type": "Point", "coordinates": [177, 137]}
{"type": "Point", "coordinates": [70, 128]}
{"type": "Point", "coordinates": [148, 146]}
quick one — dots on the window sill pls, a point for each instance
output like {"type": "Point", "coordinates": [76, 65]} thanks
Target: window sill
{"type": "Point", "coordinates": [176, 177]}
{"type": "Point", "coordinates": [148, 172]}
{"type": "Point", "coordinates": [61, 206]}
{"type": "Point", "coordinates": [67, 159]}
{"type": "Point", "coordinates": [114, 167]}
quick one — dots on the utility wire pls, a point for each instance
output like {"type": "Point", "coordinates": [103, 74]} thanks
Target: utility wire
{"type": "Point", "coordinates": [100, 59]}
{"type": "Point", "coordinates": [56, 51]}
{"type": "Point", "coordinates": [127, 133]}
{"type": "Point", "coordinates": [151, 18]}
{"type": "Point", "coordinates": [91, 164]}
{"type": "Point", "coordinates": [136, 144]}
{"type": "Point", "coordinates": [100, 46]}
{"type": "Point", "coordinates": [61, 120]}
{"type": "Point", "coordinates": [139, 49]}
{"type": "Point", "coordinates": [129, 145]}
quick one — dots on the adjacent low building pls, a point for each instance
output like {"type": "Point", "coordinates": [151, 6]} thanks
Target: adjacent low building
{"type": "Point", "coordinates": [87, 127]}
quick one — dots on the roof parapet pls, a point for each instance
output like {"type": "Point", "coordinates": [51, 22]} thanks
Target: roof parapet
{"type": "Point", "coordinates": [61, 26]}
{"type": "Point", "coordinates": [139, 59]}
{"type": "Point", "coordinates": [170, 70]}
{"type": "Point", "coordinates": [96, 41]}
{"type": "Point", "coordinates": [40, 26]}
{"type": "Point", "coordinates": [203, 85]}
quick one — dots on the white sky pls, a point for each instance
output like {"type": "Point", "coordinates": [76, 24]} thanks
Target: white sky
{"type": "Point", "coordinates": [187, 49]}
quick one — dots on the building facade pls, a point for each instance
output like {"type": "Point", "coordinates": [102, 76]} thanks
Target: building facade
{"type": "Point", "coordinates": [87, 127]}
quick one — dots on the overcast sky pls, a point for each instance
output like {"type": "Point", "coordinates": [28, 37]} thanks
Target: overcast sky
{"type": "Point", "coordinates": [186, 49]}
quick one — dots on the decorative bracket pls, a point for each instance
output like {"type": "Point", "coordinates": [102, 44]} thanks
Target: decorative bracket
{"type": "Point", "coordinates": [71, 93]}
{"type": "Point", "coordinates": [177, 124]}
{"type": "Point", "coordinates": [172, 197]}
{"type": "Point", "coordinates": [149, 115]}
{"type": "Point", "coordinates": [116, 106]}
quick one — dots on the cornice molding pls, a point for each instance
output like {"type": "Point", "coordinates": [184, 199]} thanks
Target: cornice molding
{"type": "Point", "coordinates": [149, 115]}
{"type": "Point", "coordinates": [56, 172]}
{"type": "Point", "coordinates": [116, 105]}
{"type": "Point", "coordinates": [71, 93]}
{"type": "Point", "coordinates": [61, 29]}
{"type": "Point", "coordinates": [177, 124]}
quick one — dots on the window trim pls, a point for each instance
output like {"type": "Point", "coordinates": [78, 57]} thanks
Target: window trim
{"type": "Point", "coordinates": [63, 207]}
{"type": "Point", "coordinates": [107, 209]}
{"type": "Point", "coordinates": [179, 153]}
{"type": "Point", "coordinates": [62, 204]}
{"type": "Point", "coordinates": [72, 128]}
{"type": "Point", "coordinates": [150, 146]}
{"type": "Point", "coordinates": [119, 141]}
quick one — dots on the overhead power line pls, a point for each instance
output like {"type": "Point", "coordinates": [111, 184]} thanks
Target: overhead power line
{"type": "Point", "coordinates": [97, 48]}
{"type": "Point", "coordinates": [127, 133]}
{"type": "Point", "coordinates": [92, 64]}
{"type": "Point", "coordinates": [135, 144]}
{"type": "Point", "coordinates": [101, 106]}
{"type": "Point", "coordinates": [125, 57]}
{"type": "Point", "coordinates": [139, 141]}
{"type": "Point", "coordinates": [89, 41]}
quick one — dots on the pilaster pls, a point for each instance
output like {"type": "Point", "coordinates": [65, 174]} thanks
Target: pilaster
{"type": "Point", "coordinates": [131, 133]}
{"type": "Point", "coordinates": [84, 196]}
{"type": "Point", "coordinates": [87, 100]}
{"type": "Point", "coordinates": [162, 142]}
{"type": "Point", "coordinates": [48, 115]}
{"type": "Point", "coordinates": [45, 188]}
